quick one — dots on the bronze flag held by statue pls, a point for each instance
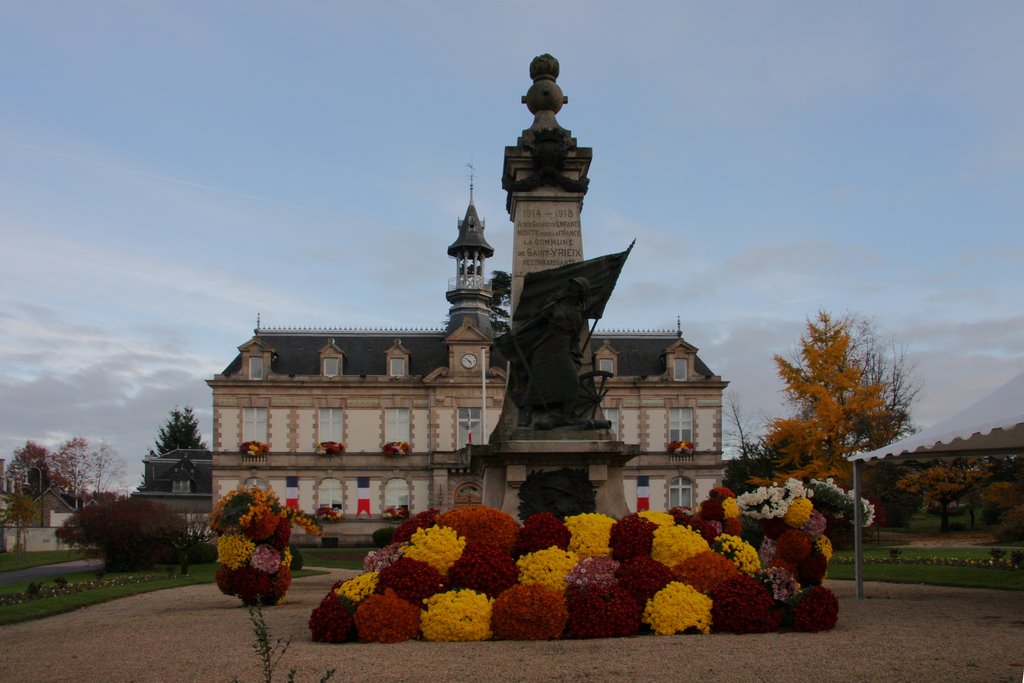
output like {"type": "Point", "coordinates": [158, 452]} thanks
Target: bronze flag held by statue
{"type": "Point", "coordinates": [545, 345]}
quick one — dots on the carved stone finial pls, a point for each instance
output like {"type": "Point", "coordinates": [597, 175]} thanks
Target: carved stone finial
{"type": "Point", "coordinates": [544, 66]}
{"type": "Point", "coordinates": [544, 94]}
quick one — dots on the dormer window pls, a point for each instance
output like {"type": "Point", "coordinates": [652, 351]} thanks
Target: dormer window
{"type": "Point", "coordinates": [396, 367]}
{"type": "Point", "coordinates": [679, 369]}
{"type": "Point", "coordinates": [606, 365]}
{"type": "Point", "coordinates": [256, 367]}
{"type": "Point", "coordinates": [332, 359]}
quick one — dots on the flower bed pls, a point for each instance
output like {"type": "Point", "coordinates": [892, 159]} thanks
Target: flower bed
{"type": "Point", "coordinates": [587, 576]}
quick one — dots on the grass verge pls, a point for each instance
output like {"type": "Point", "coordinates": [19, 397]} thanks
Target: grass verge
{"type": "Point", "coordinates": [961, 577]}
{"type": "Point", "coordinates": [48, 606]}
{"type": "Point", "coordinates": [335, 558]}
{"type": "Point", "coordinates": [13, 561]}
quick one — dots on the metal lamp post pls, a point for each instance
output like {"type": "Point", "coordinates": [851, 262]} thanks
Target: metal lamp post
{"type": "Point", "coordinates": [42, 512]}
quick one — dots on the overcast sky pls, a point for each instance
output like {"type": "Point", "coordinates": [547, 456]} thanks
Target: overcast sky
{"type": "Point", "coordinates": [169, 170]}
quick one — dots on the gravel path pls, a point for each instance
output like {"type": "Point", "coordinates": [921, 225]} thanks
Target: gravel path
{"type": "Point", "coordinates": [899, 633]}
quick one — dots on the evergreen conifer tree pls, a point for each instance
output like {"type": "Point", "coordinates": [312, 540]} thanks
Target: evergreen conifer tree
{"type": "Point", "coordinates": [180, 431]}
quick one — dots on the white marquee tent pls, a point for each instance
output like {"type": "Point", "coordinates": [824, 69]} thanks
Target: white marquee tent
{"type": "Point", "coordinates": [992, 426]}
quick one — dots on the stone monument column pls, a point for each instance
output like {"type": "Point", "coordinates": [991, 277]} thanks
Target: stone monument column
{"type": "Point", "coordinates": [545, 176]}
{"type": "Point", "coordinates": [551, 450]}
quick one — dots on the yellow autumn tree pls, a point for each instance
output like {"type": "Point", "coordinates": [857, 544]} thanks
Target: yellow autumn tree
{"type": "Point", "coordinates": [945, 483]}
{"type": "Point", "coordinates": [834, 405]}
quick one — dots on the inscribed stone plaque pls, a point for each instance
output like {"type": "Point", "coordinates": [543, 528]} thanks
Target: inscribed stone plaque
{"type": "Point", "coordinates": [547, 235]}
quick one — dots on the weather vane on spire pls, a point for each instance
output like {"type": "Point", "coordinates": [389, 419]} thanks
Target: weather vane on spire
{"type": "Point", "coordinates": [472, 172]}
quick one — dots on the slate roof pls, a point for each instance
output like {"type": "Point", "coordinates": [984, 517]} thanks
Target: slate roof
{"type": "Point", "coordinates": [297, 352]}
{"type": "Point", "coordinates": [194, 464]}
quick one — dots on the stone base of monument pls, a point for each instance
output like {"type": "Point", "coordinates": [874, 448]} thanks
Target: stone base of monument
{"type": "Point", "coordinates": [565, 473]}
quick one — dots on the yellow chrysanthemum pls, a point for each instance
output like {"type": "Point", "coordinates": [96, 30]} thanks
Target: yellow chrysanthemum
{"type": "Point", "coordinates": [824, 546]}
{"type": "Point", "coordinates": [438, 546]}
{"type": "Point", "coordinates": [678, 608]}
{"type": "Point", "coordinates": [547, 568]}
{"type": "Point", "coordinates": [799, 512]}
{"type": "Point", "coordinates": [457, 615]}
{"type": "Point", "coordinates": [673, 544]}
{"type": "Point", "coordinates": [730, 509]}
{"type": "Point", "coordinates": [359, 588]}
{"type": "Point", "coordinates": [742, 554]}
{"type": "Point", "coordinates": [591, 532]}
{"type": "Point", "coordinates": [234, 550]}
{"type": "Point", "coordinates": [659, 518]}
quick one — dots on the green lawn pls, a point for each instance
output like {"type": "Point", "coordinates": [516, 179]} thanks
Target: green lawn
{"type": "Point", "coordinates": [963, 577]}
{"type": "Point", "coordinates": [49, 606]}
{"type": "Point", "coordinates": [13, 561]}
{"type": "Point", "coordinates": [335, 558]}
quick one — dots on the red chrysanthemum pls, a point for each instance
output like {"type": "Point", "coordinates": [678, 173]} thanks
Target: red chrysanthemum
{"type": "Point", "coordinates": [282, 534]}
{"type": "Point", "coordinates": [811, 570]}
{"type": "Point", "coordinates": [411, 579]}
{"type": "Point", "coordinates": [422, 520]}
{"type": "Point", "coordinates": [721, 492]}
{"type": "Point", "coordinates": [387, 618]}
{"type": "Point", "coordinates": [483, 568]}
{"type": "Point", "coordinates": [706, 528]}
{"type": "Point", "coordinates": [733, 526]}
{"type": "Point", "coordinates": [773, 527]}
{"type": "Point", "coordinates": [817, 610]}
{"type": "Point", "coordinates": [597, 611]}
{"type": "Point", "coordinates": [793, 546]}
{"type": "Point", "coordinates": [642, 577]}
{"type": "Point", "coordinates": [482, 524]}
{"type": "Point", "coordinates": [705, 571]}
{"type": "Point", "coordinates": [331, 622]}
{"type": "Point", "coordinates": [711, 509]}
{"type": "Point", "coordinates": [631, 536]}
{"type": "Point", "coordinates": [262, 525]}
{"type": "Point", "coordinates": [253, 586]}
{"type": "Point", "coordinates": [541, 531]}
{"type": "Point", "coordinates": [743, 605]}
{"type": "Point", "coordinates": [529, 612]}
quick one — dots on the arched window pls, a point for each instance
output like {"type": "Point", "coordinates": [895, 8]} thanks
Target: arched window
{"type": "Point", "coordinates": [680, 493]}
{"type": "Point", "coordinates": [396, 493]}
{"type": "Point", "coordinates": [468, 493]}
{"type": "Point", "coordinates": [330, 494]}
{"type": "Point", "coordinates": [256, 481]}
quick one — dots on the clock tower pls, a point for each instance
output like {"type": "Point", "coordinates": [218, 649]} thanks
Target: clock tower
{"type": "Point", "coordinates": [469, 292]}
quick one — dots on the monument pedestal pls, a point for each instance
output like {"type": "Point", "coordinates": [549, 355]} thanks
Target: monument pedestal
{"type": "Point", "coordinates": [504, 468]}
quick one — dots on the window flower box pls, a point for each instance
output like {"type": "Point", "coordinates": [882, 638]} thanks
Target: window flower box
{"type": "Point", "coordinates": [395, 449]}
{"type": "Point", "coordinates": [330, 448]}
{"type": "Point", "coordinates": [329, 514]}
{"type": "Point", "coordinates": [681, 448]}
{"type": "Point", "coordinates": [393, 512]}
{"type": "Point", "coordinates": [253, 448]}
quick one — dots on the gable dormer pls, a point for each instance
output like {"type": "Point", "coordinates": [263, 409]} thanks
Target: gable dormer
{"type": "Point", "coordinates": [606, 358]}
{"type": "Point", "coordinates": [332, 360]}
{"type": "Point", "coordinates": [257, 357]}
{"type": "Point", "coordinates": [680, 361]}
{"type": "Point", "coordinates": [397, 360]}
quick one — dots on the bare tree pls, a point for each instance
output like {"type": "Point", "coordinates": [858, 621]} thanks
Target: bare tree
{"type": "Point", "coordinates": [107, 468]}
{"type": "Point", "coordinates": [885, 361]}
{"type": "Point", "coordinates": [191, 530]}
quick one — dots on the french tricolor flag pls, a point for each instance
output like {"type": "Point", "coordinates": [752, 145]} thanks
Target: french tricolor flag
{"type": "Point", "coordinates": [643, 493]}
{"type": "Point", "coordinates": [363, 496]}
{"type": "Point", "coordinates": [291, 492]}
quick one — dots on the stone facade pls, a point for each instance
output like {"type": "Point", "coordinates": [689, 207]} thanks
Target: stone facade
{"type": "Point", "coordinates": [661, 392]}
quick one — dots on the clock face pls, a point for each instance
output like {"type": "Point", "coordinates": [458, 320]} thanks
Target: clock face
{"type": "Point", "coordinates": [469, 361]}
